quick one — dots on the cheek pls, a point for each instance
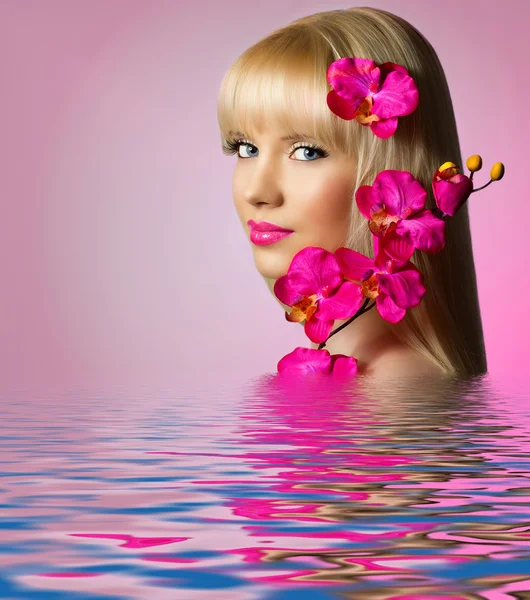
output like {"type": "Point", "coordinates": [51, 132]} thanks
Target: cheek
{"type": "Point", "coordinates": [331, 203]}
{"type": "Point", "coordinates": [237, 192]}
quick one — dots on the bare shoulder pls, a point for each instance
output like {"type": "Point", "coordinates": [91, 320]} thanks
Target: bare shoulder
{"type": "Point", "coordinates": [402, 362]}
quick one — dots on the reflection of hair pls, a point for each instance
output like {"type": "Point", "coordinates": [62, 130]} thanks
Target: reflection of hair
{"type": "Point", "coordinates": [283, 76]}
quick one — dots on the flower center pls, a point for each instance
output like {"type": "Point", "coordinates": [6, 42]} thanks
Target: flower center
{"type": "Point", "coordinates": [303, 310]}
{"type": "Point", "coordinates": [370, 287]}
{"type": "Point", "coordinates": [364, 113]}
{"type": "Point", "coordinates": [381, 223]}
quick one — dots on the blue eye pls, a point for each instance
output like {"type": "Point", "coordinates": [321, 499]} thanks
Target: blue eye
{"type": "Point", "coordinates": [311, 151]}
{"type": "Point", "coordinates": [247, 145]}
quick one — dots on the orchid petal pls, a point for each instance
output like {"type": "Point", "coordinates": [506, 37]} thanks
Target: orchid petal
{"type": "Point", "coordinates": [397, 97]}
{"type": "Point", "coordinates": [365, 200]}
{"type": "Point", "coordinates": [400, 192]}
{"type": "Point", "coordinates": [388, 67]}
{"type": "Point", "coordinates": [396, 247]}
{"type": "Point", "coordinates": [353, 264]}
{"type": "Point", "coordinates": [384, 128]}
{"type": "Point", "coordinates": [388, 309]}
{"type": "Point", "coordinates": [351, 77]}
{"type": "Point", "coordinates": [404, 287]}
{"type": "Point", "coordinates": [342, 107]}
{"type": "Point", "coordinates": [423, 231]}
{"type": "Point", "coordinates": [450, 196]}
{"type": "Point", "coordinates": [285, 292]}
{"type": "Point", "coordinates": [311, 270]}
{"type": "Point", "coordinates": [305, 360]}
{"type": "Point", "coordinates": [343, 365]}
{"type": "Point", "coordinates": [317, 330]}
{"type": "Point", "coordinates": [384, 262]}
{"type": "Point", "coordinates": [342, 305]}
{"type": "Point", "coordinates": [375, 243]}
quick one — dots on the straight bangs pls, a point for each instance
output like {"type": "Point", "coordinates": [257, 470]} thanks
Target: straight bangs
{"type": "Point", "coordinates": [282, 80]}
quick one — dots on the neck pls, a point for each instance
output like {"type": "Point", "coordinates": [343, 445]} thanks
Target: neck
{"type": "Point", "coordinates": [366, 338]}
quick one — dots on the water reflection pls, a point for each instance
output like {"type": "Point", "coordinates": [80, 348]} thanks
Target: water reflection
{"type": "Point", "coordinates": [277, 489]}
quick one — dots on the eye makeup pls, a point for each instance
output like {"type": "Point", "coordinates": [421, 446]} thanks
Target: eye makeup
{"type": "Point", "coordinates": [231, 145]}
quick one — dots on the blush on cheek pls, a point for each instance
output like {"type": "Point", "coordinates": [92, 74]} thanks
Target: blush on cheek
{"type": "Point", "coordinates": [336, 209]}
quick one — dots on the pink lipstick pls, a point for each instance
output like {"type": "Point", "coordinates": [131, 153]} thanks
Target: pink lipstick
{"type": "Point", "coordinates": [263, 233]}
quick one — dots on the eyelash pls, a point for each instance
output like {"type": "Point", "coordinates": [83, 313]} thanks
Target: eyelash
{"type": "Point", "coordinates": [232, 147]}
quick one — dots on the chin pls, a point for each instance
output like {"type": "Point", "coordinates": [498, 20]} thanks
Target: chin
{"type": "Point", "coordinates": [272, 265]}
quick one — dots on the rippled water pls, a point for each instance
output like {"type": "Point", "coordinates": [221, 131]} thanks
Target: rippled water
{"type": "Point", "coordinates": [271, 489]}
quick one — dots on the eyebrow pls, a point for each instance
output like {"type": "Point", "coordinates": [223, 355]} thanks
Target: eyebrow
{"type": "Point", "coordinates": [292, 136]}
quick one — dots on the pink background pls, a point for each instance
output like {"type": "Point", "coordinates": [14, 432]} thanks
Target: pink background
{"type": "Point", "coordinates": [123, 260]}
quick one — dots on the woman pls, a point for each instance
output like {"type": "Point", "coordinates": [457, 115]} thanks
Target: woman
{"type": "Point", "coordinates": [299, 166]}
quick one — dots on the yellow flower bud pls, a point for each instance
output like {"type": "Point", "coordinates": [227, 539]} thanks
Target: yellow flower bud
{"type": "Point", "coordinates": [474, 163]}
{"type": "Point", "coordinates": [497, 171]}
{"type": "Point", "coordinates": [446, 165]}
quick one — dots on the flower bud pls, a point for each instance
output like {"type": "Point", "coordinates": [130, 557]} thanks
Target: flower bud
{"type": "Point", "coordinates": [474, 163]}
{"type": "Point", "coordinates": [451, 188]}
{"type": "Point", "coordinates": [497, 171]}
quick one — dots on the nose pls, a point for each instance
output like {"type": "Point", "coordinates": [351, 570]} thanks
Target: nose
{"type": "Point", "coordinates": [264, 185]}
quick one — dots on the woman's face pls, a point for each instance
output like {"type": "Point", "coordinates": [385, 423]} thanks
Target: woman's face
{"type": "Point", "coordinates": [286, 183]}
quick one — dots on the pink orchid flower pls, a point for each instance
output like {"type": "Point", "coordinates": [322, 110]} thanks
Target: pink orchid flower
{"type": "Point", "coordinates": [374, 95]}
{"type": "Point", "coordinates": [302, 361]}
{"type": "Point", "coordinates": [395, 286]}
{"type": "Point", "coordinates": [317, 292]}
{"type": "Point", "coordinates": [451, 188]}
{"type": "Point", "coordinates": [395, 207]}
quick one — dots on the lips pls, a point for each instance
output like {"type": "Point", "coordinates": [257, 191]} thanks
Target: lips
{"type": "Point", "coordinates": [265, 226]}
{"type": "Point", "coordinates": [263, 233]}
{"type": "Point", "coordinates": [264, 238]}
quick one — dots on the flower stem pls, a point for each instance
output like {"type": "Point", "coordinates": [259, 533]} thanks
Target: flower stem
{"type": "Point", "coordinates": [485, 185]}
{"type": "Point", "coordinates": [360, 312]}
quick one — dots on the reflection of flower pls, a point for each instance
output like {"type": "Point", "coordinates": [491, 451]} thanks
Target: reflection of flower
{"type": "Point", "coordinates": [395, 208]}
{"type": "Point", "coordinates": [309, 360]}
{"type": "Point", "coordinates": [451, 188]}
{"type": "Point", "coordinates": [317, 292]}
{"type": "Point", "coordinates": [373, 94]}
{"type": "Point", "coordinates": [396, 287]}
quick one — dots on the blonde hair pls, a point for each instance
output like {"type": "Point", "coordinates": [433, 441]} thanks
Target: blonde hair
{"type": "Point", "coordinates": [283, 76]}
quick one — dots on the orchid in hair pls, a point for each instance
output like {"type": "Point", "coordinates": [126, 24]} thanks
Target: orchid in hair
{"type": "Point", "coordinates": [375, 95]}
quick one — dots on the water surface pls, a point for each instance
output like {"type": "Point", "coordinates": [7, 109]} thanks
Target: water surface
{"type": "Point", "coordinates": [268, 489]}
